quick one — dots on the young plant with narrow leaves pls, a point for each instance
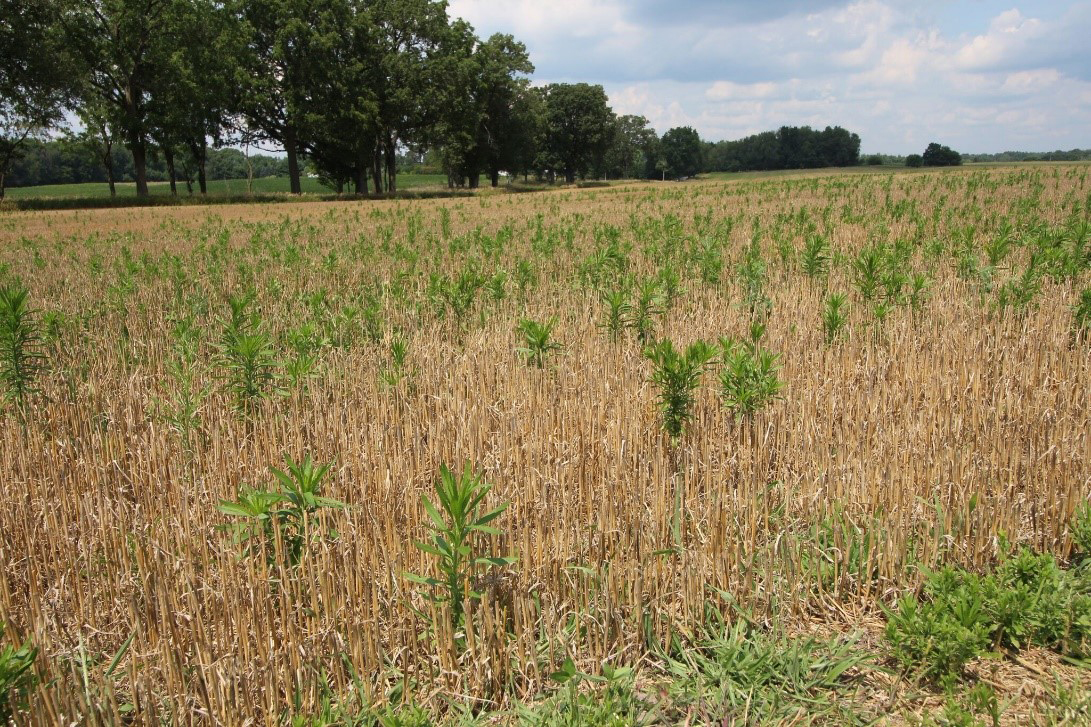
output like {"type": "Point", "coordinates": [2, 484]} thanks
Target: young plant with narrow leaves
{"type": "Point", "coordinates": [537, 340]}
{"type": "Point", "coordinates": [21, 358]}
{"type": "Point", "coordinates": [458, 519]}
{"type": "Point", "coordinates": [286, 513]}
{"type": "Point", "coordinates": [677, 375]}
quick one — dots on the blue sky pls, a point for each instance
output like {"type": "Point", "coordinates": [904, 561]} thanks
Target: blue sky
{"type": "Point", "coordinates": [977, 75]}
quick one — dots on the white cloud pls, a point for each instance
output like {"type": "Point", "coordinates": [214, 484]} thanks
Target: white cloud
{"type": "Point", "coordinates": [898, 73]}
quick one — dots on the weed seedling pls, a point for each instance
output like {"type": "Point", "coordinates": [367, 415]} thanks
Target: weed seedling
{"type": "Point", "coordinates": [536, 336]}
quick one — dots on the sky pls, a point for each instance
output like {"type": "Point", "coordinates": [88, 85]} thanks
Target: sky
{"type": "Point", "coordinates": [977, 75]}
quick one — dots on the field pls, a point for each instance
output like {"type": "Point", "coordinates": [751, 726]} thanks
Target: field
{"type": "Point", "coordinates": [233, 187]}
{"type": "Point", "coordinates": [861, 501]}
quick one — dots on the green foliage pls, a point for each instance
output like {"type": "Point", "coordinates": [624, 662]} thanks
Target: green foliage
{"type": "Point", "coordinates": [536, 336]}
{"type": "Point", "coordinates": [677, 376]}
{"type": "Point", "coordinates": [612, 702]}
{"type": "Point", "coordinates": [748, 381]}
{"type": "Point", "coordinates": [284, 517]}
{"type": "Point", "coordinates": [834, 316]}
{"type": "Point", "coordinates": [1079, 528]}
{"type": "Point", "coordinates": [1018, 293]}
{"type": "Point", "coordinates": [962, 709]}
{"type": "Point", "coordinates": [867, 271]}
{"type": "Point", "coordinates": [182, 409]}
{"type": "Point", "coordinates": [456, 525]}
{"type": "Point", "coordinates": [247, 358]}
{"type": "Point", "coordinates": [17, 677]}
{"type": "Point", "coordinates": [398, 370]}
{"type": "Point", "coordinates": [937, 637]}
{"type": "Point", "coordinates": [752, 276]}
{"type": "Point", "coordinates": [1081, 317]}
{"type": "Point", "coordinates": [21, 359]}
{"type": "Point", "coordinates": [645, 307]}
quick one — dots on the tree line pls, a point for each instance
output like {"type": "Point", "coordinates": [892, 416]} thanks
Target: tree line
{"type": "Point", "coordinates": [346, 88]}
{"type": "Point", "coordinates": [77, 159]}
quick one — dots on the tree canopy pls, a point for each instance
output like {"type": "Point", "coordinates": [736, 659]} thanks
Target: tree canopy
{"type": "Point", "coordinates": [343, 88]}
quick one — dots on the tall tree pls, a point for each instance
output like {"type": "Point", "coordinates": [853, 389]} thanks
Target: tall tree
{"type": "Point", "coordinates": [579, 128]}
{"type": "Point", "coordinates": [34, 84]}
{"type": "Point", "coordinates": [634, 141]}
{"type": "Point", "coordinates": [196, 93]}
{"type": "Point", "coordinates": [271, 93]}
{"type": "Point", "coordinates": [490, 130]}
{"type": "Point", "coordinates": [407, 77]}
{"type": "Point", "coordinates": [342, 112]}
{"type": "Point", "coordinates": [681, 148]}
{"type": "Point", "coordinates": [123, 53]}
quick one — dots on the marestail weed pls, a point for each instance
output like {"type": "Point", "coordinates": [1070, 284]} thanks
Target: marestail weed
{"type": "Point", "coordinates": [21, 359]}
{"type": "Point", "coordinates": [284, 515]}
{"type": "Point", "coordinates": [677, 375]}
{"type": "Point", "coordinates": [537, 340]}
{"type": "Point", "coordinates": [458, 520]}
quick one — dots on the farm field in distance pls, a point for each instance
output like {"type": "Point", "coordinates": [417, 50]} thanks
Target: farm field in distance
{"type": "Point", "coordinates": [852, 489]}
{"type": "Point", "coordinates": [261, 185]}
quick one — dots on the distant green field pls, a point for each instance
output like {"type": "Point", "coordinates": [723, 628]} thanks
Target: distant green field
{"type": "Point", "coordinates": [265, 185]}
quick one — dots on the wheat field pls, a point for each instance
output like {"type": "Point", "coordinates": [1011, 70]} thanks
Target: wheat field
{"type": "Point", "coordinates": [943, 417]}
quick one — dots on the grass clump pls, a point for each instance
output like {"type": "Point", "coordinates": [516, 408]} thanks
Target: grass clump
{"type": "Point", "coordinates": [745, 675]}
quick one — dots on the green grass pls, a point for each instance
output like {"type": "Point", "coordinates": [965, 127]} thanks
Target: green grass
{"type": "Point", "coordinates": [226, 187]}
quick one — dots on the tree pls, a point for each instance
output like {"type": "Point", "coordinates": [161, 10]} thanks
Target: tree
{"type": "Point", "coordinates": [486, 126]}
{"type": "Point", "coordinates": [634, 142]}
{"type": "Point", "coordinates": [33, 84]}
{"type": "Point", "coordinates": [339, 120]}
{"type": "Point", "coordinates": [579, 128]}
{"type": "Point", "coordinates": [414, 46]}
{"type": "Point", "coordinates": [270, 95]}
{"type": "Point", "coordinates": [123, 56]}
{"type": "Point", "coordinates": [100, 136]}
{"type": "Point", "coordinates": [937, 155]}
{"type": "Point", "coordinates": [682, 149]}
{"type": "Point", "coordinates": [914, 160]}
{"type": "Point", "coordinates": [195, 93]}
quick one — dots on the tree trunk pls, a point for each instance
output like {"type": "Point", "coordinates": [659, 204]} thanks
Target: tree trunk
{"type": "Point", "coordinates": [108, 162]}
{"type": "Point", "coordinates": [360, 180]}
{"type": "Point", "coordinates": [377, 170]}
{"type": "Point", "coordinates": [293, 160]}
{"type": "Point", "coordinates": [140, 165]}
{"type": "Point", "coordinates": [391, 165]}
{"type": "Point", "coordinates": [475, 180]}
{"type": "Point", "coordinates": [569, 176]}
{"type": "Point", "coordinates": [202, 178]}
{"type": "Point", "coordinates": [495, 177]}
{"type": "Point", "coordinates": [2, 175]}
{"type": "Point", "coordinates": [168, 155]}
